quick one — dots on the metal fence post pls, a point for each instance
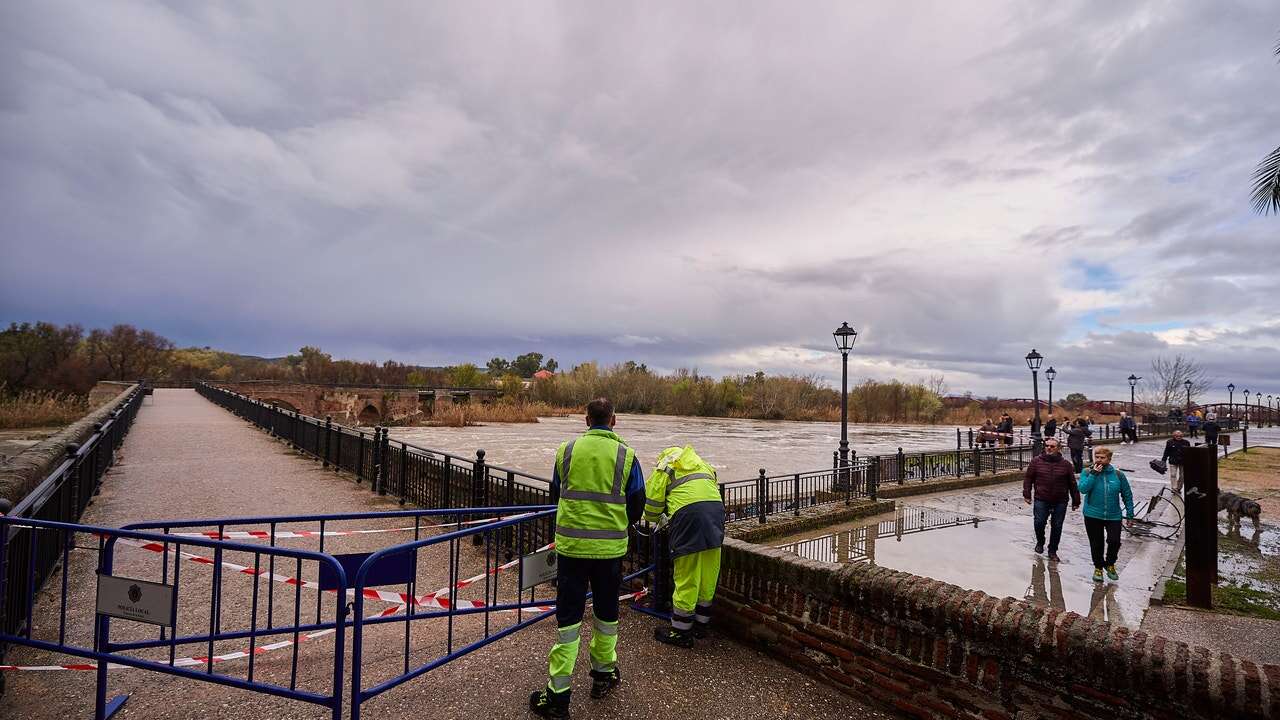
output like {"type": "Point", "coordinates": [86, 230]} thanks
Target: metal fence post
{"type": "Point", "coordinates": [328, 440]}
{"type": "Point", "coordinates": [977, 462]}
{"type": "Point", "coordinates": [873, 477]}
{"type": "Point", "coordinates": [384, 472]}
{"type": "Point", "coordinates": [1200, 466]}
{"type": "Point", "coordinates": [762, 489]}
{"type": "Point", "coordinates": [359, 456]}
{"type": "Point", "coordinates": [404, 472]}
{"type": "Point", "coordinates": [375, 468]}
{"type": "Point", "coordinates": [901, 469]}
{"type": "Point", "coordinates": [795, 494]}
{"type": "Point", "coordinates": [970, 437]}
{"type": "Point", "coordinates": [479, 479]}
{"type": "Point", "coordinates": [848, 477]}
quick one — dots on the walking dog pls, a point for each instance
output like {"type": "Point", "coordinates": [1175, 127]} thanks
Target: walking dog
{"type": "Point", "coordinates": [1238, 507]}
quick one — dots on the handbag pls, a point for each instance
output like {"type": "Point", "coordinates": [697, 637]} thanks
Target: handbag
{"type": "Point", "coordinates": [1159, 466]}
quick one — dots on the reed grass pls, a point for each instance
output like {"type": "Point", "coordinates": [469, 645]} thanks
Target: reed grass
{"type": "Point", "coordinates": [40, 408]}
{"type": "Point", "coordinates": [465, 414]}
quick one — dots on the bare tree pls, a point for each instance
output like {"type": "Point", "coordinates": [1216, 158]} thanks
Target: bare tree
{"type": "Point", "coordinates": [1165, 386]}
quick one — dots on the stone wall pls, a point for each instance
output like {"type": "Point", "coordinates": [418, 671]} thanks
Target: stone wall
{"type": "Point", "coordinates": [22, 472]}
{"type": "Point", "coordinates": [929, 649]}
{"type": "Point", "coordinates": [346, 405]}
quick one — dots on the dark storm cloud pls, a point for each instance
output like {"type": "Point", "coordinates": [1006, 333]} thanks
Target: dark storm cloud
{"type": "Point", "coordinates": [710, 186]}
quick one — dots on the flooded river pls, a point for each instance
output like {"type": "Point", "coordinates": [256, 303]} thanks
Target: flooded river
{"type": "Point", "coordinates": [737, 448]}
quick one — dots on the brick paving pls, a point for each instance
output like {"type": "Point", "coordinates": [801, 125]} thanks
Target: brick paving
{"type": "Point", "coordinates": [185, 457]}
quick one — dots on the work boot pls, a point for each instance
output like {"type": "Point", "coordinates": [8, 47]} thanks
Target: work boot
{"type": "Point", "coordinates": [602, 681]}
{"type": "Point", "coordinates": [1097, 574]}
{"type": "Point", "coordinates": [672, 636]}
{"type": "Point", "coordinates": [1039, 548]}
{"type": "Point", "coordinates": [1111, 572]}
{"type": "Point", "coordinates": [700, 630]}
{"type": "Point", "coordinates": [547, 704]}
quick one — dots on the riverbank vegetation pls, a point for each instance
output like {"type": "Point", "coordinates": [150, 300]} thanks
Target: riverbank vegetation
{"type": "Point", "coordinates": [40, 408]}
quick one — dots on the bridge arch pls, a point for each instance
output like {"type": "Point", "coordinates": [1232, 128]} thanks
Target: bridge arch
{"type": "Point", "coordinates": [369, 415]}
{"type": "Point", "coordinates": [284, 404]}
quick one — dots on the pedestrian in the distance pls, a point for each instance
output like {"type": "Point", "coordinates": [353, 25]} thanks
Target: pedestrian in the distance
{"type": "Point", "coordinates": [987, 434]}
{"type": "Point", "coordinates": [1193, 423]}
{"type": "Point", "coordinates": [1077, 433]}
{"type": "Point", "coordinates": [1046, 486]}
{"type": "Point", "coordinates": [1173, 456]}
{"type": "Point", "coordinates": [1128, 429]}
{"type": "Point", "coordinates": [1051, 427]}
{"type": "Point", "coordinates": [1211, 429]}
{"type": "Point", "coordinates": [1006, 429]}
{"type": "Point", "coordinates": [1105, 488]}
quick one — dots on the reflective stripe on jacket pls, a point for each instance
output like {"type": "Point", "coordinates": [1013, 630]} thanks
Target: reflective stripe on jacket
{"type": "Point", "coordinates": [591, 517]}
{"type": "Point", "coordinates": [686, 488]}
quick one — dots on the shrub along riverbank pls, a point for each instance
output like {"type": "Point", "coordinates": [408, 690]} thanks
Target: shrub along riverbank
{"type": "Point", "coordinates": [40, 408]}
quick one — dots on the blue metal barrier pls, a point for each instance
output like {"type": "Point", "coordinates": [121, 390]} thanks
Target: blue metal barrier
{"type": "Point", "coordinates": [156, 553]}
{"type": "Point", "coordinates": [446, 547]}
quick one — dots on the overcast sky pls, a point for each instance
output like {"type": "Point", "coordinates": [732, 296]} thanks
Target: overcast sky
{"type": "Point", "coordinates": [714, 187]}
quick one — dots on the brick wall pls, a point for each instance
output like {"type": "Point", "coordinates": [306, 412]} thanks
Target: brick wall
{"type": "Point", "coordinates": [929, 649]}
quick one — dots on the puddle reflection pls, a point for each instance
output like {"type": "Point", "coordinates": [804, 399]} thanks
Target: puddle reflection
{"type": "Point", "coordinates": [859, 544]}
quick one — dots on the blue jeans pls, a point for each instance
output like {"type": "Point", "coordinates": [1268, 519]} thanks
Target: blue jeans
{"type": "Point", "coordinates": [1043, 510]}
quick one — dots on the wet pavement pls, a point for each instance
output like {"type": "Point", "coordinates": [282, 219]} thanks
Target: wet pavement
{"type": "Point", "coordinates": [982, 539]}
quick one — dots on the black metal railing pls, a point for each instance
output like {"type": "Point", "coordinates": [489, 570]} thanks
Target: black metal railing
{"type": "Point", "coordinates": [30, 555]}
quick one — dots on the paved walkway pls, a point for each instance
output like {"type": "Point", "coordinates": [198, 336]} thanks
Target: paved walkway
{"type": "Point", "coordinates": [186, 457]}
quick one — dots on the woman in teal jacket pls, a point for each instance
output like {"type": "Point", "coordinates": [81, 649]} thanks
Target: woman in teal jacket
{"type": "Point", "coordinates": [1104, 487]}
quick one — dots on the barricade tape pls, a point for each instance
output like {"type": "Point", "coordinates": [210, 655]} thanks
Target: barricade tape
{"type": "Point", "coordinates": [293, 534]}
{"type": "Point", "coordinates": [261, 649]}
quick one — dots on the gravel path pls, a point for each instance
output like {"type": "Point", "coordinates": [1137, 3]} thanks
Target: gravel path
{"type": "Point", "coordinates": [186, 457]}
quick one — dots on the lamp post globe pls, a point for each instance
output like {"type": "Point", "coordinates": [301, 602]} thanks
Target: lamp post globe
{"type": "Point", "coordinates": [845, 337]}
{"type": "Point", "coordinates": [1231, 393]}
{"type": "Point", "coordinates": [1050, 375]}
{"type": "Point", "coordinates": [1034, 359]}
{"type": "Point", "coordinates": [1133, 384]}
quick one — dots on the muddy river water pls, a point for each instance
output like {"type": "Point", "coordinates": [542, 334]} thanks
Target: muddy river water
{"type": "Point", "coordinates": [737, 448]}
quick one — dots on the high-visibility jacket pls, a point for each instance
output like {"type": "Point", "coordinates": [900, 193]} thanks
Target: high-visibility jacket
{"type": "Point", "coordinates": [685, 487]}
{"type": "Point", "coordinates": [591, 518]}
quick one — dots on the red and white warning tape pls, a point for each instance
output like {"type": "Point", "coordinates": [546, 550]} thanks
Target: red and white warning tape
{"type": "Point", "coordinates": [261, 649]}
{"type": "Point", "coordinates": [293, 534]}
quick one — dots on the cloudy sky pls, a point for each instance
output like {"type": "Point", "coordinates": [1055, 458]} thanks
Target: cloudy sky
{"type": "Point", "coordinates": [714, 187]}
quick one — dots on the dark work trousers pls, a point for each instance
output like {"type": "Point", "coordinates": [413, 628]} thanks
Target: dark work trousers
{"type": "Point", "coordinates": [1077, 459]}
{"type": "Point", "coordinates": [1095, 528]}
{"type": "Point", "coordinates": [1053, 513]}
{"type": "Point", "coordinates": [1133, 434]}
{"type": "Point", "coordinates": [1211, 439]}
{"type": "Point", "coordinates": [574, 575]}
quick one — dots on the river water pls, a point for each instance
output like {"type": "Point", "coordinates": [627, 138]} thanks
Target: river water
{"type": "Point", "coordinates": [737, 448]}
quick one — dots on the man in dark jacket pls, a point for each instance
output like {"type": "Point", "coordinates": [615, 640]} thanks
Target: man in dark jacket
{"type": "Point", "coordinates": [1128, 429]}
{"type": "Point", "coordinates": [1050, 478]}
{"type": "Point", "coordinates": [1006, 430]}
{"type": "Point", "coordinates": [1077, 432]}
{"type": "Point", "coordinates": [1051, 427]}
{"type": "Point", "coordinates": [1211, 429]}
{"type": "Point", "coordinates": [1173, 455]}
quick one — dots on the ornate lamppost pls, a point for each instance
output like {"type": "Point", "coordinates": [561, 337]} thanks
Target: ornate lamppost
{"type": "Point", "coordinates": [1033, 362]}
{"type": "Point", "coordinates": [1188, 384]}
{"type": "Point", "coordinates": [1133, 384]}
{"type": "Point", "coordinates": [1246, 408]}
{"type": "Point", "coordinates": [1231, 404]}
{"type": "Point", "coordinates": [845, 338]}
{"type": "Point", "coordinates": [1049, 375]}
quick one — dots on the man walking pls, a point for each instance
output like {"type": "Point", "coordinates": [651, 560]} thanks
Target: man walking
{"type": "Point", "coordinates": [1127, 430]}
{"type": "Point", "coordinates": [1173, 455]}
{"type": "Point", "coordinates": [1211, 429]}
{"type": "Point", "coordinates": [685, 488]}
{"type": "Point", "coordinates": [1050, 481]}
{"type": "Point", "coordinates": [599, 492]}
{"type": "Point", "coordinates": [1077, 433]}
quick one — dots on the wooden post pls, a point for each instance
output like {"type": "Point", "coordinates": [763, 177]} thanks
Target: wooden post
{"type": "Point", "coordinates": [1200, 481]}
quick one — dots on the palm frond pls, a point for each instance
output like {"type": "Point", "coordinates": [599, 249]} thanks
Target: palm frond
{"type": "Point", "coordinates": [1266, 184]}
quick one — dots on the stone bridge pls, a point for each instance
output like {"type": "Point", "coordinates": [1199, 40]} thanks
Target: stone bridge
{"type": "Point", "coordinates": [359, 404]}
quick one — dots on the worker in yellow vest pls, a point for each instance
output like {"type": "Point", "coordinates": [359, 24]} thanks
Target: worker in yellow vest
{"type": "Point", "coordinates": [598, 488]}
{"type": "Point", "coordinates": [684, 487]}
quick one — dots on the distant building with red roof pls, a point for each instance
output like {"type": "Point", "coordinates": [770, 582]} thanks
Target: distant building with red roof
{"type": "Point", "coordinates": [543, 375]}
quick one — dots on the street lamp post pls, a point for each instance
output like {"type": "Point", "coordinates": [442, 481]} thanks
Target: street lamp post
{"type": "Point", "coordinates": [1033, 362]}
{"type": "Point", "coordinates": [845, 338]}
{"type": "Point", "coordinates": [1231, 401]}
{"type": "Point", "coordinates": [1049, 375]}
{"type": "Point", "coordinates": [1133, 383]}
{"type": "Point", "coordinates": [1188, 384]}
{"type": "Point", "coordinates": [1246, 408]}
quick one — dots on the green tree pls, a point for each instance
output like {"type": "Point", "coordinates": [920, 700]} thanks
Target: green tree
{"type": "Point", "coordinates": [467, 375]}
{"type": "Point", "coordinates": [527, 364]}
{"type": "Point", "coordinates": [551, 365]}
{"type": "Point", "coordinates": [1266, 179]}
{"type": "Point", "coordinates": [126, 353]}
{"type": "Point", "coordinates": [512, 387]}
{"type": "Point", "coordinates": [1074, 400]}
{"type": "Point", "coordinates": [498, 366]}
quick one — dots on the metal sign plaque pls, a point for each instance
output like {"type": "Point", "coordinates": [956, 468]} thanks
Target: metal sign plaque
{"type": "Point", "coordinates": [537, 568]}
{"type": "Point", "coordinates": [138, 600]}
